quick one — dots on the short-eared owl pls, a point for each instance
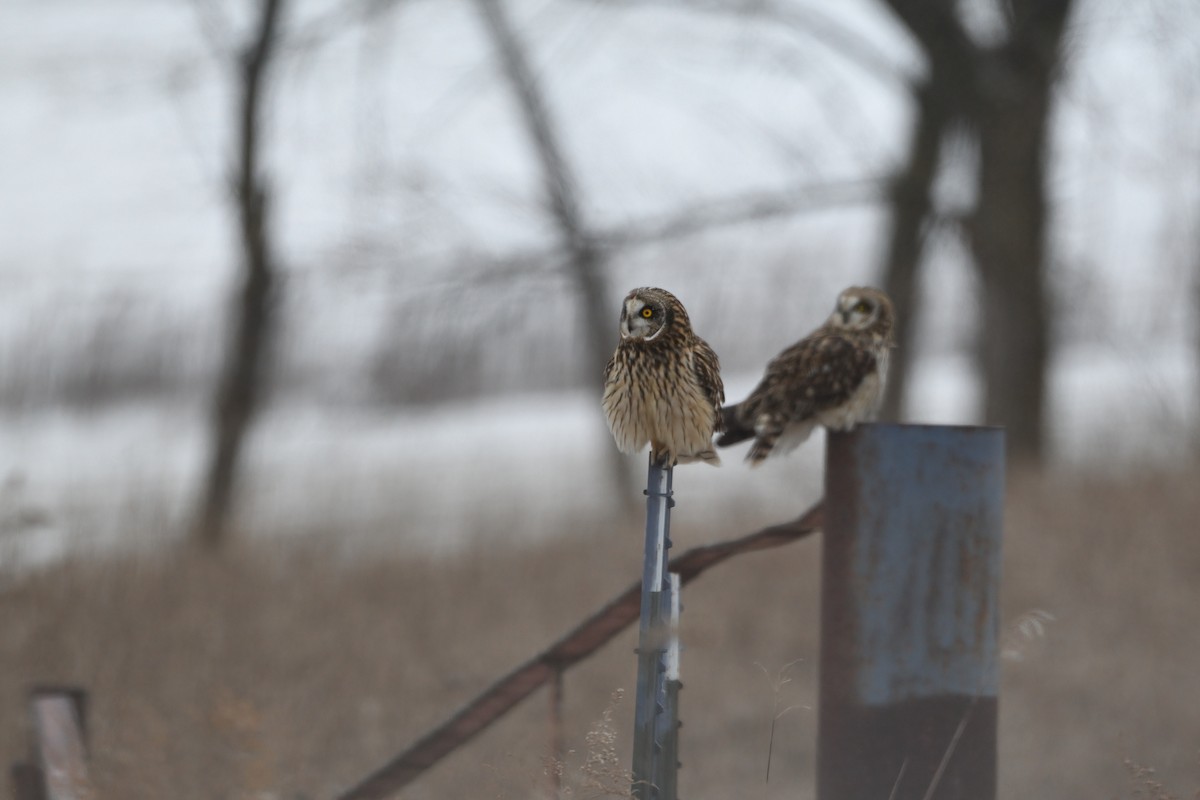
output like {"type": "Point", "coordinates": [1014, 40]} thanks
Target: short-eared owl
{"type": "Point", "coordinates": [663, 384]}
{"type": "Point", "coordinates": [833, 377]}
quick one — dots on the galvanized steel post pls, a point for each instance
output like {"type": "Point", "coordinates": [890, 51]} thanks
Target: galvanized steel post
{"type": "Point", "coordinates": [668, 723]}
{"type": "Point", "coordinates": [655, 714]}
{"type": "Point", "coordinates": [909, 613]}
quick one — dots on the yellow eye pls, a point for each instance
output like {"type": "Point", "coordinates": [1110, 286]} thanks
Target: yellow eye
{"type": "Point", "coordinates": [862, 307]}
{"type": "Point", "coordinates": [647, 312]}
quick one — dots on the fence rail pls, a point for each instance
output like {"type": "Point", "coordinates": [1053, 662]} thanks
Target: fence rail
{"type": "Point", "coordinates": [578, 644]}
{"type": "Point", "coordinates": [909, 619]}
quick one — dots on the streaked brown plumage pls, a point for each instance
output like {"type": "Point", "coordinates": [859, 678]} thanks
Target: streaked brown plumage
{"type": "Point", "coordinates": [833, 377]}
{"type": "Point", "coordinates": [663, 384]}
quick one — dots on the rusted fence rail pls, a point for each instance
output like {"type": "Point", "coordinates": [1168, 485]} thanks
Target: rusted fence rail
{"type": "Point", "coordinates": [578, 644]}
{"type": "Point", "coordinates": [909, 627]}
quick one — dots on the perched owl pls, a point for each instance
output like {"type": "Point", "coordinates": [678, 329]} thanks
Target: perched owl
{"type": "Point", "coordinates": [663, 383]}
{"type": "Point", "coordinates": [833, 377]}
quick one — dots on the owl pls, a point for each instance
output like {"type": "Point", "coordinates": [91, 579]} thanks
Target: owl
{"type": "Point", "coordinates": [833, 377]}
{"type": "Point", "coordinates": [663, 386]}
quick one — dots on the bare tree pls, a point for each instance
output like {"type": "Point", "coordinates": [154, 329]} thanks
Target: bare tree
{"type": "Point", "coordinates": [1008, 228]}
{"type": "Point", "coordinates": [942, 101]}
{"type": "Point", "coordinates": [911, 219]}
{"type": "Point", "coordinates": [239, 388]}
{"type": "Point", "coordinates": [586, 257]}
{"type": "Point", "coordinates": [1003, 91]}
{"type": "Point", "coordinates": [1196, 329]}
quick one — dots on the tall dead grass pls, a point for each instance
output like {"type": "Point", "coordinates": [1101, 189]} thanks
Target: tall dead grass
{"type": "Point", "coordinates": [283, 670]}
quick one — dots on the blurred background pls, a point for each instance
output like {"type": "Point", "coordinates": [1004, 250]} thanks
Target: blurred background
{"type": "Point", "coordinates": [327, 288]}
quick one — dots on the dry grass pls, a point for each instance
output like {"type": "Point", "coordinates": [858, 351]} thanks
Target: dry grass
{"type": "Point", "coordinates": [286, 671]}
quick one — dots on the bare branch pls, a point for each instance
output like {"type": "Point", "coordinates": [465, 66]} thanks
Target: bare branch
{"type": "Point", "coordinates": [743, 209]}
{"type": "Point", "coordinates": [813, 25]}
{"type": "Point", "coordinates": [586, 259]}
{"type": "Point", "coordinates": [254, 57]}
{"type": "Point", "coordinates": [561, 185]}
{"type": "Point", "coordinates": [584, 639]}
{"type": "Point", "coordinates": [215, 28]}
{"type": "Point", "coordinates": [694, 220]}
{"type": "Point", "coordinates": [327, 26]}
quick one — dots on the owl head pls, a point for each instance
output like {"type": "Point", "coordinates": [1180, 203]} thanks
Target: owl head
{"type": "Point", "coordinates": [863, 308]}
{"type": "Point", "coordinates": [648, 311]}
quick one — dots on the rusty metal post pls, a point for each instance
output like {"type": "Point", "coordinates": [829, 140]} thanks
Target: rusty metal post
{"type": "Point", "coordinates": [654, 760]}
{"type": "Point", "coordinates": [909, 613]}
{"type": "Point", "coordinates": [27, 782]}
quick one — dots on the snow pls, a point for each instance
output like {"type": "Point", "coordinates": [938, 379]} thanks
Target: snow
{"type": "Point", "coordinates": [524, 468]}
{"type": "Point", "coordinates": [396, 159]}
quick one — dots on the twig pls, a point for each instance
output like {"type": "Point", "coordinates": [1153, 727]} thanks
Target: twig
{"type": "Point", "coordinates": [899, 777]}
{"type": "Point", "coordinates": [958, 732]}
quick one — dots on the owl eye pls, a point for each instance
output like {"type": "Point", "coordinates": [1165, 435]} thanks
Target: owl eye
{"type": "Point", "coordinates": [647, 312]}
{"type": "Point", "coordinates": [862, 307]}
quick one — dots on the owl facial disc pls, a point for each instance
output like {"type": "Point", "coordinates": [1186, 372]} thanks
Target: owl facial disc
{"type": "Point", "coordinates": [640, 320]}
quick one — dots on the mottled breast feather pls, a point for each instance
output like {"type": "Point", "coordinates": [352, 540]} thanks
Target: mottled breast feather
{"type": "Point", "coordinates": [667, 392]}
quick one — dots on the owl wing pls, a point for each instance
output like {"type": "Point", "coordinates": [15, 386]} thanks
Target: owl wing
{"type": "Point", "coordinates": [707, 369]}
{"type": "Point", "coordinates": [820, 371]}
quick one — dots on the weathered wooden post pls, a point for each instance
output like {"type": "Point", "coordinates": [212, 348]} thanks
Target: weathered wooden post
{"type": "Point", "coordinates": [27, 781]}
{"type": "Point", "coordinates": [558, 747]}
{"type": "Point", "coordinates": [656, 717]}
{"type": "Point", "coordinates": [909, 613]}
{"type": "Point", "coordinates": [58, 768]}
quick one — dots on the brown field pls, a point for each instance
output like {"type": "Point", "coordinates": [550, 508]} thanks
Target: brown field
{"type": "Point", "coordinates": [282, 670]}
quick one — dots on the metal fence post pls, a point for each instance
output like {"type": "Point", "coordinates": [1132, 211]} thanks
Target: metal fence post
{"type": "Point", "coordinates": [655, 716]}
{"type": "Point", "coordinates": [909, 613]}
{"type": "Point", "coordinates": [668, 723]}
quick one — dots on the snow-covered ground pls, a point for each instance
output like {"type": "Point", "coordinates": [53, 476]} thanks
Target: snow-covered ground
{"type": "Point", "coordinates": [396, 158]}
{"type": "Point", "coordinates": [522, 468]}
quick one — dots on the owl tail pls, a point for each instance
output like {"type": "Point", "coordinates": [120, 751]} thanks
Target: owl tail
{"type": "Point", "coordinates": [735, 430]}
{"type": "Point", "coordinates": [762, 448]}
{"type": "Point", "coordinates": [769, 429]}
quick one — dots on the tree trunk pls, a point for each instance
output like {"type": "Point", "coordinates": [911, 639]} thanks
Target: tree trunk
{"type": "Point", "coordinates": [944, 99]}
{"type": "Point", "coordinates": [239, 388]}
{"type": "Point", "coordinates": [912, 206]}
{"type": "Point", "coordinates": [1196, 335]}
{"type": "Point", "coordinates": [1195, 389]}
{"type": "Point", "coordinates": [586, 257]}
{"type": "Point", "coordinates": [1008, 228]}
{"type": "Point", "coordinates": [1005, 94]}
{"type": "Point", "coordinates": [1009, 245]}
